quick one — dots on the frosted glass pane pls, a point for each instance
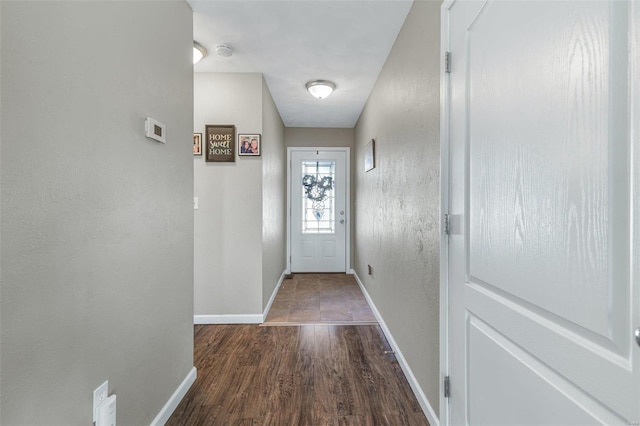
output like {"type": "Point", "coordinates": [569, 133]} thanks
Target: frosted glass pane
{"type": "Point", "coordinates": [318, 197]}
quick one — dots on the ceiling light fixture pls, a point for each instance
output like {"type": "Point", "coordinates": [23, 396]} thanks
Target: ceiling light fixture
{"type": "Point", "coordinates": [199, 52]}
{"type": "Point", "coordinates": [320, 88]}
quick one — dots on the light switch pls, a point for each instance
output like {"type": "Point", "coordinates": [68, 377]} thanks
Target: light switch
{"type": "Point", "coordinates": [195, 203]}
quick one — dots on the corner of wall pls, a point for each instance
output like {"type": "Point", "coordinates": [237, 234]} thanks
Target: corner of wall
{"type": "Point", "coordinates": [274, 197]}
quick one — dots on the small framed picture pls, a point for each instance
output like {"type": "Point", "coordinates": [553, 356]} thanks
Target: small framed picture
{"type": "Point", "coordinates": [370, 156]}
{"type": "Point", "coordinates": [248, 144]}
{"type": "Point", "coordinates": [197, 144]}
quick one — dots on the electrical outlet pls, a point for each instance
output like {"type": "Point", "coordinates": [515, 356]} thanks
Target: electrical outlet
{"type": "Point", "coordinates": [99, 395]}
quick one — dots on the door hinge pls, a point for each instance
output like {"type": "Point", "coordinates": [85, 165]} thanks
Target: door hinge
{"type": "Point", "coordinates": [447, 62]}
{"type": "Point", "coordinates": [447, 224]}
{"type": "Point", "coordinates": [447, 387]}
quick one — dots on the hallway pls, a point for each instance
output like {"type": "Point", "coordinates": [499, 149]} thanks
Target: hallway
{"type": "Point", "coordinates": [296, 375]}
{"type": "Point", "coordinates": [117, 237]}
{"type": "Point", "coordinates": [320, 359]}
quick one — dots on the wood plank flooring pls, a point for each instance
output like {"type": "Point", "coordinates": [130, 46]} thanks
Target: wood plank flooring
{"type": "Point", "coordinates": [320, 299]}
{"type": "Point", "coordinates": [296, 375]}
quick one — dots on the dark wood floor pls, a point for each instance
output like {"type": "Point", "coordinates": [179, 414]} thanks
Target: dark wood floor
{"type": "Point", "coordinates": [320, 299]}
{"type": "Point", "coordinates": [297, 375]}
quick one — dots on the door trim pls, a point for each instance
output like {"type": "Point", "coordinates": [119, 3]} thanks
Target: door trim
{"type": "Point", "coordinates": [347, 152]}
{"type": "Point", "coordinates": [445, 100]}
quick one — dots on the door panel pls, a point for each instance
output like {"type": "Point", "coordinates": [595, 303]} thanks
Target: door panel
{"type": "Point", "coordinates": [318, 218]}
{"type": "Point", "coordinates": [541, 295]}
{"type": "Point", "coordinates": [553, 405]}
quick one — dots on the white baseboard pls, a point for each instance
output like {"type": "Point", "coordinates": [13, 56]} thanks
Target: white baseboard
{"type": "Point", "coordinates": [432, 418]}
{"type": "Point", "coordinates": [273, 296]}
{"type": "Point", "coordinates": [227, 319]}
{"type": "Point", "coordinates": [172, 403]}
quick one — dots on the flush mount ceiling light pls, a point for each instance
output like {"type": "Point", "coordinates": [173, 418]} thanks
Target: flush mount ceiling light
{"type": "Point", "coordinates": [199, 52]}
{"type": "Point", "coordinates": [320, 88]}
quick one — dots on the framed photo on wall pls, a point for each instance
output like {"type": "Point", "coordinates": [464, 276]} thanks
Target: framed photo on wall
{"type": "Point", "coordinates": [370, 156]}
{"type": "Point", "coordinates": [197, 144]}
{"type": "Point", "coordinates": [249, 144]}
{"type": "Point", "coordinates": [220, 146]}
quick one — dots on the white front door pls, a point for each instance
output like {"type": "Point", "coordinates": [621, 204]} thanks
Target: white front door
{"type": "Point", "coordinates": [544, 181]}
{"type": "Point", "coordinates": [318, 210]}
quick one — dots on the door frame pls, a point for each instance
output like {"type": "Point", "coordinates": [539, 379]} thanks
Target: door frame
{"type": "Point", "coordinates": [445, 94]}
{"type": "Point", "coordinates": [347, 152]}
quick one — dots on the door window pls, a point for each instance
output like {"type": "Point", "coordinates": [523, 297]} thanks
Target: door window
{"type": "Point", "coordinates": [318, 197]}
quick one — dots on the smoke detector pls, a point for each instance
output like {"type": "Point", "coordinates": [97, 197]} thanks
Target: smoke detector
{"type": "Point", "coordinates": [224, 50]}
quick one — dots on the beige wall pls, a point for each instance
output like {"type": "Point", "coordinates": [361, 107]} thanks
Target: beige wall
{"type": "Point", "coordinates": [318, 136]}
{"type": "Point", "coordinates": [96, 219]}
{"type": "Point", "coordinates": [273, 195]}
{"type": "Point", "coordinates": [228, 224]}
{"type": "Point", "coordinates": [239, 226]}
{"type": "Point", "coordinates": [397, 203]}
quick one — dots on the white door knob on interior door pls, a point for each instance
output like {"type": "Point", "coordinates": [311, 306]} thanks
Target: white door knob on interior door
{"type": "Point", "coordinates": [637, 333]}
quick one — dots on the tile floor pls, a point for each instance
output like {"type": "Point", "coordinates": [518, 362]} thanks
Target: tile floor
{"type": "Point", "coordinates": [320, 299]}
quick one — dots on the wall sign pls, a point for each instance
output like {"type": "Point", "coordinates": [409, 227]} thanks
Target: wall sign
{"type": "Point", "coordinates": [220, 143]}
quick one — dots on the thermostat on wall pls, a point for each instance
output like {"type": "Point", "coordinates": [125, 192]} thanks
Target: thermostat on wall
{"type": "Point", "coordinates": [155, 130]}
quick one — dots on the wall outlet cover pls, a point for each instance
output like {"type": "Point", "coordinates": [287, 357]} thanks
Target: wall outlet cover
{"type": "Point", "coordinates": [106, 415]}
{"type": "Point", "coordinates": [99, 396]}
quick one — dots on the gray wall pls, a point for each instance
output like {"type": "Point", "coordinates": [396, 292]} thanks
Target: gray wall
{"type": "Point", "coordinates": [397, 215]}
{"type": "Point", "coordinates": [96, 219]}
{"type": "Point", "coordinates": [239, 227]}
{"type": "Point", "coordinates": [274, 199]}
{"type": "Point", "coordinates": [318, 136]}
{"type": "Point", "coordinates": [228, 224]}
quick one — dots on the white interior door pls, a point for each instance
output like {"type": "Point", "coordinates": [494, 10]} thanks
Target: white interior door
{"type": "Point", "coordinates": [544, 201]}
{"type": "Point", "coordinates": [318, 221]}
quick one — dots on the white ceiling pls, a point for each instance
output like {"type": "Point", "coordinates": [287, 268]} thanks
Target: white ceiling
{"type": "Point", "coordinates": [292, 42]}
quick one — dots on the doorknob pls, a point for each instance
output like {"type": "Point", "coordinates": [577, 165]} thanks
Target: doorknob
{"type": "Point", "coordinates": [637, 333]}
{"type": "Point", "coordinates": [342, 221]}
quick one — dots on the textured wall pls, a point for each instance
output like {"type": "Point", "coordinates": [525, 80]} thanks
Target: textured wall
{"type": "Point", "coordinates": [228, 224]}
{"type": "Point", "coordinates": [274, 196]}
{"type": "Point", "coordinates": [318, 136]}
{"type": "Point", "coordinates": [397, 203]}
{"type": "Point", "coordinates": [97, 220]}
